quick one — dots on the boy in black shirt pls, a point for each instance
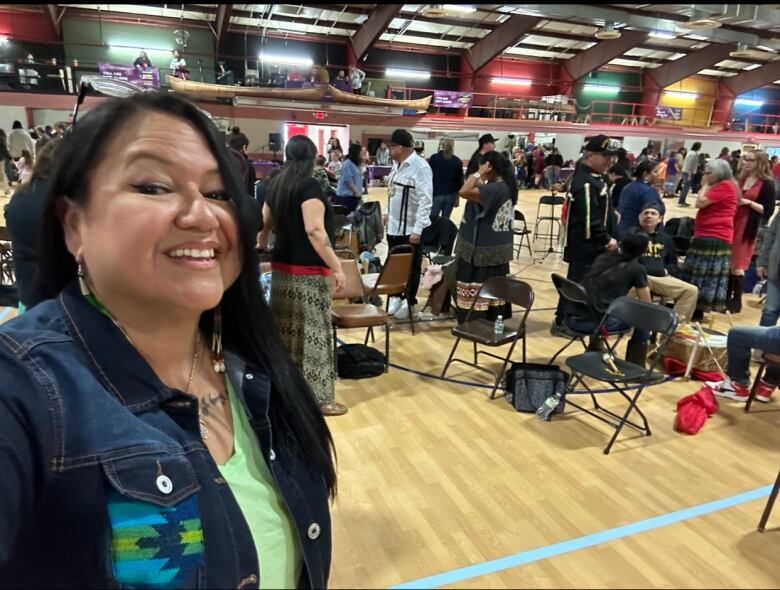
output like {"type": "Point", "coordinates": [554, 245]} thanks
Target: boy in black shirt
{"type": "Point", "coordinates": [660, 260]}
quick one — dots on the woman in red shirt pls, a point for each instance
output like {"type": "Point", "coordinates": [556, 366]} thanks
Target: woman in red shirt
{"type": "Point", "coordinates": [708, 260]}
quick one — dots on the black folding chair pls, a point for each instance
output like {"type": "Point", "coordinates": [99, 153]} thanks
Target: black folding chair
{"type": "Point", "coordinates": [482, 332]}
{"type": "Point", "coordinates": [638, 315]}
{"type": "Point", "coordinates": [523, 232]}
{"type": "Point", "coordinates": [577, 298]}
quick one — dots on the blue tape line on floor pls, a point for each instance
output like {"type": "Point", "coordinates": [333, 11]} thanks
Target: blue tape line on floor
{"type": "Point", "coordinates": [5, 313]}
{"type": "Point", "coordinates": [526, 557]}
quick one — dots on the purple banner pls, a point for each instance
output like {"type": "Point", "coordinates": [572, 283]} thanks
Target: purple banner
{"type": "Point", "coordinates": [149, 78]}
{"type": "Point", "coordinates": [451, 99]}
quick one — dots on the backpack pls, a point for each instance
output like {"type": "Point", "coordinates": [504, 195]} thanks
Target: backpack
{"type": "Point", "coordinates": [358, 361]}
{"type": "Point", "coordinates": [367, 222]}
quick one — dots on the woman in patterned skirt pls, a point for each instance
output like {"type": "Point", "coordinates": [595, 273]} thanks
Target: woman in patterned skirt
{"type": "Point", "coordinates": [708, 259]}
{"type": "Point", "coordinates": [302, 263]}
{"type": "Point", "coordinates": [485, 238]}
{"type": "Point", "coordinates": [756, 206]}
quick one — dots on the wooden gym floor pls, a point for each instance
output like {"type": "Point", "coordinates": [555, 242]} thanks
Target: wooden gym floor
{"type": "Point", "coordinates": [438, 484]}
{"type": "Point", "coordinates": [441, 487]}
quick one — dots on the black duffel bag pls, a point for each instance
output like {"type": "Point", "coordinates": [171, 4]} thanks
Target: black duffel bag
{"type": "Point", "coordinates": [529, 384]}
{"type": "Point", "coordinates": [358, 361]}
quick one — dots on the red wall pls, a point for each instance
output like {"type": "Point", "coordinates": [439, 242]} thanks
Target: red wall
{"type": "Point", "coordinates": [26, 26]}
{"type": "Point", "coordinates": [545, 79]}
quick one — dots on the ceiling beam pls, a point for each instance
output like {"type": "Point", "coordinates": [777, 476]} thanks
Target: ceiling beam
{"type": "Point", "coordinates": [222, 20]}
{"type": "Point", "coordinates": [504, 36]}
{"type": "Point", "coordinates": [691, 64]}
{"type": "Point", "coordinates": [598, 55]}
{"type": "Point", "coordinates": [373, 27]}
{"type": "Point", "coordinates": [747, 81]}
{"type": "Point", "coordinates": [54, 18]}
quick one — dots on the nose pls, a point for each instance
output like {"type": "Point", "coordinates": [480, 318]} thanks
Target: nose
{"type": "Point", "coordinates": [196, 212]}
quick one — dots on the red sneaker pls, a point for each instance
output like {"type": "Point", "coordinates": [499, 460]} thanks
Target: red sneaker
{"type": "Point", "coordinates": [764, 391]}
{"type": "Point", "coordinates": [732, 390]}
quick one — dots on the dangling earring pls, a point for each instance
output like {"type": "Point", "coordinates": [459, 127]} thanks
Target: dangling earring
{"type": "Point", "coordinates": [217, 357]}
{"type": "Point", "coordinates": [82, 280]}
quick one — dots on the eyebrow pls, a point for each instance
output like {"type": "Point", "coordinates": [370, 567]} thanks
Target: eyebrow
{"type": "Point", "coordinates": [145, 155]}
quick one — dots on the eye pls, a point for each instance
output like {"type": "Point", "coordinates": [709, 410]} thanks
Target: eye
{"type": "Point", "coordinates": [217, 195]}
{"type": "Point", "coordinates": [149, 188]}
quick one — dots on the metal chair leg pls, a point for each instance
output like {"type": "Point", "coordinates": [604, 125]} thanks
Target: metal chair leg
{"type": "Point", "coordinates": [387, 350]}
{"type": "Point", "coordinates": [503, 370]}
{"type": "Point", "coordinates": [754, 389]}
{"type": "Point", "coordinates": [623, 421]}
{"type": "Point", "coordinates": [449, 360]}
{"type": "Point", "coordinates": [769, 505]}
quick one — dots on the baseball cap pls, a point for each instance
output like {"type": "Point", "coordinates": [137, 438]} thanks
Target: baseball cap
{"type": "Point", "coordinates": [601, 144]}
{"type": "Point", "coordinates": [654, 205]}
{"type": "Point", "coordinates": [487, 138]}
{"type": "Point", "coordinates": [418, 144]}
{"type": "Point", "coordinates": [402, 137]}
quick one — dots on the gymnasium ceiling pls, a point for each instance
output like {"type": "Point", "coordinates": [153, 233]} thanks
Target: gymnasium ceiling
{"type": "Point", "coordinates": [560, 32]}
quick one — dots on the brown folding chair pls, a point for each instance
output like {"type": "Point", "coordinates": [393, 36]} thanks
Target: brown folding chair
{"type": "Point", "coordinates": [394, 276]}
{"type": "Point", "coordinates": [357, 315]}
{"type": "Point", "coordinates": [523, 232]}
{"type": "Point", "coordinates": [482, 332]}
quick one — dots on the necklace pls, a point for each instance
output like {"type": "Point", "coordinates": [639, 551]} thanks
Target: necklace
{"type": "Point", "coordinates": [204, 431]}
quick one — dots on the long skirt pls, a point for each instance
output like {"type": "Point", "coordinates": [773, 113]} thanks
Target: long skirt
{"type": "Point", "coordinates": [301, 307]}
{"type": "Point", "coordinates": [707, 266]}
{"type": "Point", "coordinates": [469, 279]}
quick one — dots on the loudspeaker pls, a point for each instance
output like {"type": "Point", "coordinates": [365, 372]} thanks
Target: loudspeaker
{"type": "Point", "coordinates": [275, 142]}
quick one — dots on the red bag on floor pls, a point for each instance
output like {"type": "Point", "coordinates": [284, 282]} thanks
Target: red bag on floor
{"type": "Point", "coordinates": [693, 411]}
{"type": "Point", "coordinates": [675, 367]}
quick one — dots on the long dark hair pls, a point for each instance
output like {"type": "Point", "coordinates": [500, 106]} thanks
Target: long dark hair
{"type": "Point", "coordinates": [353, 155]}
{"type": "Point", "coordinates": [300, 153]}
{"type": "Point", "coordinates": [632, 246]}
{"type": "Point", "coordinates": [504, 169]}
{"type": "Point", "coordinates": [248, 326]}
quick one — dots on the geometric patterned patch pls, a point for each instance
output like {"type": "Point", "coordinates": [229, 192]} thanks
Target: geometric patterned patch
{"type": "Point", "coordinates": [154, 546]}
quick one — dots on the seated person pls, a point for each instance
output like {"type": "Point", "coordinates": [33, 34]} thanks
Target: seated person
{"type": "Point", "coordinates": [741, 340]}
{"type": "Point", "coordinates": [320, 174]}
{"type": "Point", "coordinates": [660, 260]}
{"type": "Point", "coordinates": [613, 275]}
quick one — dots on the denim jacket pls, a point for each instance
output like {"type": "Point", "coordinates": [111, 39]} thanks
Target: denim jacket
{"type": "Point", "coordinates": [104, 480]}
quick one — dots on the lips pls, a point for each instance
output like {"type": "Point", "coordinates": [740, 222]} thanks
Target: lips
{"type": "Point", "coordinates": [206, 253]}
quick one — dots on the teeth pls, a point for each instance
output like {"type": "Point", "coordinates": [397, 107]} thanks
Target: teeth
{"type": "Point", "coordinates": [191, 253]}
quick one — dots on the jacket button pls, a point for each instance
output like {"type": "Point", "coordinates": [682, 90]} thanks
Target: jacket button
{"type": "Point", "coordinates": [248, 580]}
{"type": "Point", "coordinates": [249, 376]}
{"type": "Point", "coordinates": [314, 531]}
{"type": "Point", "coordinates": [164, 484]}
{"type": "Point", "coordinates": [272, 455]}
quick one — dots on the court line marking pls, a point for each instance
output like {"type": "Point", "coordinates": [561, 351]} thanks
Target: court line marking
{"type": "Point", "coordinates": [533, 555]}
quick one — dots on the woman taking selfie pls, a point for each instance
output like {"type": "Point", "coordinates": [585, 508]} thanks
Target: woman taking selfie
{"type": "Point", "coordinates": [154, 432]}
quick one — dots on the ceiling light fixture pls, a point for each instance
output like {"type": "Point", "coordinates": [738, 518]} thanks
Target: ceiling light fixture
{"type": "Point", "coordinates": [700, 20]}
{"type": "Point", "coordinates": [399, 73]}
{"type": "Point", "coordinates": [511, 81]}
{"type": "Point", "coordinates": [697, 37]}
{"type": "Point", "coordinates": [662, 35]}
{"type": "Point", "coordinates": [286, 59]}
{"type": "Point", "coordinates": [745, 51]}
{"type": "Point", "coordinates": [608, 32]}
{"type": "Point", "coordinates": [681, 94]}
{"type": "Point", "coordinates": [601, 88]}
{"type": "Point", "coordinates": [749, 102]}
{"type": "Point", "coordinates": [459, 8]}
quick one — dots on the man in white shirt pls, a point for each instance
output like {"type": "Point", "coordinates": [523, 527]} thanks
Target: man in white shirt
{"type": "Point", "coordinates": [19, 140]}
{"type": "Point", "coordinates": [356, 77]}
{"type": "Point", "coordinates": [688, 171]}
{"type": "Point", "coordinates": [410, 191]}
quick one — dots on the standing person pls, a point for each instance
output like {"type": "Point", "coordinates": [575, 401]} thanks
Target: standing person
{"type": "Point", "coordinates": [618, 180]}
{"type": "Point", "coordinates": [237, 138]}
{"type": "Point", "coordinates": [19, 140]}
{"type": "Point", "coordinates": [321, 176]}
{"type": "Point", "coordinates": [240, 143]}
{"type": "Point", "coordinates": [553, 164]}
{"type": "Point", "coordinates": [624, 162]}
{"type": "Point", "coordinates": [529, 162]}
{"type": "Point", "coordinates": [590, 221]}
{"type": "Point", "coordinates": [150, 365]}
{"type": "Point", "coordinates": [142, 62]}
{"type": "Point", "coordinates": [24, 165]}
{"type": "Point", "coordinates": [179, 66]}
{"type": "Point", "coordinates": [335, 163]}
{"type": "Point", "coordinates": [333, 143]}
{"type": "Point", "coordinates": [756, 207]}
{"type": "Point", "coordinates": [485, 239]}
{"type": "Point", "coordinates": [356, 77]}
{"type": "Point", "coordinates": [410, 190]}
{"type": "Point", "coordinates": [24, 218]}
{"type": "Point", "coordinates": [672, 175]}
{"type": "Point", "coordinates": [708, 259]}
{"type": "Point", "coordinates": [518, 161]}
{"type": "Point", "coordinates": [638, 194]}
{"type": "Point", "coordinates": [365, 160]}
{"type": "Point", "coordinates": [447, 170]}
{"type": "Point", "coordinates": [487, 143]}
{"type": "Point", "coordinates": [6, 163]}
{"type": "Point", "coordinates": [659, 179]}
{"type": "Point", "coordinates": [303, 261]}
{"type": "Point", "coordinates": [350, 187]}
{"type": "Point", "coordinates": [689, 169]}
{"type": "Point", "coordinates": [539, 167]}
{"type": "Point", "coordinates": [725, 154]}
{"type": "Point", "coordinates": [383, 155]}
{"type": "Point", "coordinates": [768, 267]}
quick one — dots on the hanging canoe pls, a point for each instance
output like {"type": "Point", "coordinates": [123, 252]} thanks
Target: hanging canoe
{"type": "Point", "coordinates": [420, 104]}
{"type": "Point", "coordinates": [203, 90]}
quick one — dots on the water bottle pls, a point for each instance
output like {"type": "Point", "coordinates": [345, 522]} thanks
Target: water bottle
{"type": "Point", "coordinates": [546, 410]}
{"type": "Point", "coordinates": [498, 328]}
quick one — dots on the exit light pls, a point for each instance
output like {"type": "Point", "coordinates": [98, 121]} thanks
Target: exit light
{"type": "Point", "coordinates": [319, 115]}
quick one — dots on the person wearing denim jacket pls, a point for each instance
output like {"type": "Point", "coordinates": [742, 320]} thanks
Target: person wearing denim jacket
{"type": "Point", "coordinates": [122, 466]}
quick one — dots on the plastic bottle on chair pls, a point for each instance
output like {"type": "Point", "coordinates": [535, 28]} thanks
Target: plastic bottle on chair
{"type": "Point", "coordinates": [545, 411]}
{"type": "Point", "coordinates": [498, 327]}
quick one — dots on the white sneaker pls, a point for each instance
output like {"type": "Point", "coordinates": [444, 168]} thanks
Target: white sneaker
{"type": "Point", "coordinates": [403, 312]}
{"type": "Point", "coordinates": [713, 385]}
{"type": "Point", "coordinates": [392, 307]}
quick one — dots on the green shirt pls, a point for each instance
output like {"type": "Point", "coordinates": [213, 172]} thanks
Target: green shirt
{"type": "Point", "coordinates": [272, 528]}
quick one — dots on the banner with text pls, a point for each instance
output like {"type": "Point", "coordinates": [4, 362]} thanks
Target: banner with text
{"type": "Point", "coordinates": [148, 78]}
{"type": "Point", "coordinates": [452, 100]}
